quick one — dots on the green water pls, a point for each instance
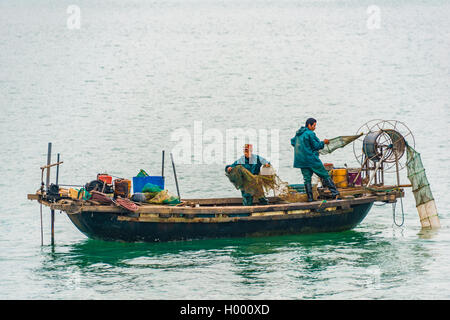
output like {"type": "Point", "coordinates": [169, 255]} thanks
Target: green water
{"type": "Point", "coordinates": [109, 96]}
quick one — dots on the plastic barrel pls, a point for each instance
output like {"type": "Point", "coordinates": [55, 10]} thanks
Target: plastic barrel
{"type": "Point", "coordinates": [340, 178]}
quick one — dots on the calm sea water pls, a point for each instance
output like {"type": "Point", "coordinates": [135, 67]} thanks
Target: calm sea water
{"type": "Point", "coordinates": [110, 95]}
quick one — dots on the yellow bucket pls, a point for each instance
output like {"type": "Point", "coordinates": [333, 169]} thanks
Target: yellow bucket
{"type": "Point", "coordinates": [339, 177]}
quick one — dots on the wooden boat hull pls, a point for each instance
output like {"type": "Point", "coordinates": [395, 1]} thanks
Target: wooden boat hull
{"type": "Point", "coordinates": [151, 228]}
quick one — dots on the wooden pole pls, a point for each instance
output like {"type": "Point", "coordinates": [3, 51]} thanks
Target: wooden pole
{"type": "Point", "coordinates": [397, 169]}
{"type": "Point", "coordinates": [53, 211]}
{"type": "Point", "coordinates": [53, 226]}
{"type": "Point", "coordinates": [42, 227]}
{"type": "Point", "coordinates": [49, 159]}
{"type": "Point", "coordinates": [162, 170]}
{"type": "Point", "coordinates": [57, 169]}
{"type": "Point", "coordinates": [175, 175]}
{"type": "Point", "coordinates": [42, 191]}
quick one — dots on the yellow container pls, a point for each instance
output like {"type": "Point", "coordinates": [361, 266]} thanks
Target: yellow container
{"type": "Point", "coordinates": [339, 177]}
{"type": "Point", "coordinates": [73, 193]}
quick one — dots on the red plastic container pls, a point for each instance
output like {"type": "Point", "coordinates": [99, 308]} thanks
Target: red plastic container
{"type": "Point", "coordinates": [105, 178]}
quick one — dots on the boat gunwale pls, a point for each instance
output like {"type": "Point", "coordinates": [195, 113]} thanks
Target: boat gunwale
{"type": "Point", "coordinates": [71, 206]}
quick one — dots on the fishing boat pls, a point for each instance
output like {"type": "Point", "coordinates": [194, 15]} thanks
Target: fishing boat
{"type": "Point", "coordinates": [219, 217]}
{"type": "Point", "coordinates": [381, 150]}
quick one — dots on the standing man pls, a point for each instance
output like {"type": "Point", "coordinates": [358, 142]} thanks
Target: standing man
{"type": "Point", "coordinates": [306, 157]}
{"type": "Point", "coordinates": [252, 163]}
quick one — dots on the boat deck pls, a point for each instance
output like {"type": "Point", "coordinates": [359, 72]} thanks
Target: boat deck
{"type": "Point", "coordinates": [228, 206]}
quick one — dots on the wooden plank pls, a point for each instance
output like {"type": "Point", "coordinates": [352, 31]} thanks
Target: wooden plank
{"type": "Point", "coordinates": [51, 165]}
{"type": "Point", "coordinates": [33, 196]}
{"type": "Point", "coordinates": [224, 201]}
{"type": "Point", "coordinates": [223, 219]}
{"type": "Point", "coordinates": [73, 206]}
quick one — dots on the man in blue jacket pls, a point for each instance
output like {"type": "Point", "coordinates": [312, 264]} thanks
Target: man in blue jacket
{"type": "Point", "coordinates": [252, 163]}
{"type": "Point", "coordinates": [306, 157]}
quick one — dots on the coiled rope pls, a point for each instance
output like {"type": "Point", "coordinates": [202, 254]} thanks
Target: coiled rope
{"type": "Point", "coordinates": [393, 205]}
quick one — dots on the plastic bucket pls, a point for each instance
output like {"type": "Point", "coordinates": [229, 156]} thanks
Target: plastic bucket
{"type": "Point", "coordinates": [339, 177]}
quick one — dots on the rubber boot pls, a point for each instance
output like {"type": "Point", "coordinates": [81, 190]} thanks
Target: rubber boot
{"type": "Point", "coordinates": [332, 187]}
{"type": "Point", "coordinates": [263, 201]}
{"type": "Point", "coordinates": [247, 199]}
{"type": "Point", "coordinates": [309, 192]}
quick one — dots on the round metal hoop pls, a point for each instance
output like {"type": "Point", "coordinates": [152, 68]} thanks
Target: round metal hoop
{"type": "Point", "coordinates": [384, 140]}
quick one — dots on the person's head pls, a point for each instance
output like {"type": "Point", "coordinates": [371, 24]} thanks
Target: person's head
{"type": "Point", "coordinates": [311, 124]}
{"type": "Point", "coordinates": [248, 149]}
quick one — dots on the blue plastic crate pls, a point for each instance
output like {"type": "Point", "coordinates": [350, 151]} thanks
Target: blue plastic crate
{"type": "Point", "coordinates": [140, 182]}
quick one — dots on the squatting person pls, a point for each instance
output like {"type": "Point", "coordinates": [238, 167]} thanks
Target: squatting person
{"type": "Point", "coordinates": [306, 157]}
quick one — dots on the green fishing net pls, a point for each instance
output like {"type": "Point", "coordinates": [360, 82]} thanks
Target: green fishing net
{"type": "Point", "coordinates": [150, 187]}
{"type": "Point", "coordinates": [338, 142]}
{"type": "Point", "coordinates": [162, 197]}
{"type": "Point", "coordinates": [416, 174]}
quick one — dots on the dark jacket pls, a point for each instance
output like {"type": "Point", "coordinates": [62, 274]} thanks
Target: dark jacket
{"type": "Point", "coordinates": [253, 164]}
{"type": "Point", "coordinates": [306, 149]}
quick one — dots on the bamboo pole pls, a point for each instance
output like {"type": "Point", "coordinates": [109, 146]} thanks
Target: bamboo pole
{"type": "Point", "coordinates": [175, 175]}
{"type": "Point", "coordinates": [162, 164]}
{"type": "Point", "coordinates": [49, 158]}
{"type": "Point", "coordinates": [53, 226]}
{"type": "Point", "coordinates": [57, 168]}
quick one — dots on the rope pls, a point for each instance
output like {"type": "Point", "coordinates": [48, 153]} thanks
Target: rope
{"type": "Point", "coordinates": [393, 214]}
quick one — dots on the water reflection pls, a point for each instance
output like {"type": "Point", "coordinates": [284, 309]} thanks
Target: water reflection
{"type": "Point", "coordinates": [318, 265]}
{"type": "Point", "coordinates": [428, 233]}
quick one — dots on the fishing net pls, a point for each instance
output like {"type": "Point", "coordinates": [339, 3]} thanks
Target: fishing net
{"type": "Point", "coordinates": [426, 206]}
{"type": "Point", "coordinates": [261, 185]}
{"type": "Point", "coordinates": [162, 197]}
{"type": "Point", "coordinates": [150, 187]}
{"type": "Point", "coordinates": [256, 185]}
{"type": "Point", "coordinates": [338, 142]}
{"type": "Point", "coordinates": [416, 174]}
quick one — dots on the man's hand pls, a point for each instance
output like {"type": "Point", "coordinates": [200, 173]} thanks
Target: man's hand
{"type": "Point", "coordinates": [326, 141]}
{"type": "Point", "coordinates": [267, 165]}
